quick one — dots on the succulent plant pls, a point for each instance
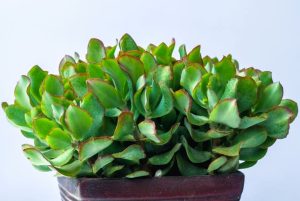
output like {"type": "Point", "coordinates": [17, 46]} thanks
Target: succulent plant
{"type": "Point", "coordinates": [144, 113]}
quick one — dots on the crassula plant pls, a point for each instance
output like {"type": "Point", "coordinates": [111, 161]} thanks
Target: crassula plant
{"type": "Point", "coordinates": [141, 112]}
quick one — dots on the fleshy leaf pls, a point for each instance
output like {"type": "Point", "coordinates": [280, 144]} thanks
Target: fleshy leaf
{"type": "Point", "coordinates": [139, 173]}
{"type": "Point", "coordinates": [93, 146]}
{"type": "Point", "coordinates": [127, 43]}
{"type": "Point", "coordinates": [292, 106]}
{"type": "Point", "coordinates": [43, 126]}
{"type": "Point", "coordinates": [36, 76]}
{"type": "Point", "coordinates": [164, 158]}
{"type": "Point", "coordinates": [132, 66]}
{"type": "Point", "coordinates": [247, 122]}
{"type": "Point", "coordinates": [182, 101]}
{"type": "Point", "coordinates": [16, 115]}
{"type": "Point", "coordinates": [53, 85]}
{"type": "Point", "coordinates": [252, 154]}
{"type": "Point", "coordinates": [58, 139]}
{"type": "Point", "coordinates": [217, 163]}
{"type": "Point", "coordinates": [21, 93]}
{"type": "Point", "coordinates": [125, 127]}
{"type": "Point", "coordinates": [107, 94]}
{"type": "Point", "coordinates": [195, 155]}
{"type": "Point", "coordinates": [132, 153]}
{"type": "Point", "coordinates": [270, 97]}
{"type": "Point", "coordinates": [228, 151]}
{"type": "Point", "coordinates": [101, 162]}
{"type": "Point", "coordinates": [226, 112]}
{"type": "Point", "coordinates": [190, 77]}
{"type": "Point", "coordinates": [246, 93]}
{"type": "Point", "coordinates": [188, 169]}
{"type": "Point", "coordinates": [277, 124]}
{"type": "Point", "coordinates": [165, 105]}
{"type": "Point", "coordinates": [112, 68]}
{"type": "Point", "coordinates": [251, 137]}
{"type": "Point", "coordinates": [35, 157]}
{"type": "Point", "coordinates": [148, 129]}
{"type": "Point", "coordinates": [63, 158]}
{"type": "Point", "coordinates": [95, 51]}
{"type": "Point", "coordinates": [78, 83]}
{"type": "Point", "coordinates": [78, 121]}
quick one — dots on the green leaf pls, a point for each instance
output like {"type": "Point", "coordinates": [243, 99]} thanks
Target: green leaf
{"type": "Point", "coordinates": [228, 151]}
{"type": "Point", "coordinates": [195, 155]}
{"type": "Point", "coordinates": [148, 129]}
{"type": "Point", "coordinates": [196, 135]}
{"type": "Point", "coordinates": [182, 101]}
{"type": "Point", "coordinates": [63, 158]}
{"type": "Point", "coordinates": [212, 98]}
{"type": "Point", "coordinates": [190, 77]}
{"type": "Point", "coordinates": [247, 164]}
{"type": "Point", "coordinates": [16, 116]}
{"type": "Point", "coordinates": [230, 89]}
{"type": "Point", "coordinates": [162, 54]}
{"type": "Point", "coordinates": [78, 83]}
{"type": "Point", "coordinates": [226, 112]}
{"type": "Point", "coordinates": [95, 51]}
{"type": "Point", "coordinates": [214, 133]}
{"type": "Point", "coordinates": [246, 93]}
{"type": "Point", "coordinates": [136, 174]}
{"type": "Point", "coordinates": [35, 156]}
{"type": "Point", "coordinates": [132, 153]}
{"type": "Point", "coordinates": [292, 106]}
{"type": "Point", "coordinates": [107, 94]}
{"type": "Point", "coordinates": [95, 71]}
{"type": "Point", "coordinates": [149, 62]}
{"type": "Point", "coordinates": [165, 170]}
{"type": "Point", "coordinates": [112, 68]}
{"type": "Point", "coordinates": [132, 66]}
{"type": "Point", "coordinates": [58, 139]}
{"type": "Point", "coordinates": [277, 124]}
{"type": "Point", "coordinates": [252, 154]}
{"type": "Point", "coordinates": [247, 122]}
{"type": "Point", "coordinates": [270, 97]}
{"type": "Point", "coordinates": [163, 75]}
{"type": "Point", "coordinates": [164, 158]}
{"type": "Point", "coordinates": [188, 169]}
{"type": "Point", "coordinates": [127, 43]}
{"type": "Point", "coordinates": [225, 70]}
{"type": "Point", "coordinates": [182, 51]}
{"type": "Point", "coordinates": [91, 104]}
{"type": "Point", "coordinates": [251, 137]}
{"type": "Point", "coordinates": [197, 120]}
{"type": "Point", "coordinates": [167, 136]}
{"type": "Point", "coordinates": [36, 76]}
{"type": "Point", "coordinates": [43, 126]}
{"type": "Point", "coordinates": [71, 169]}
{"type": "Point", "coordinates": [78, 121]}
{"type": "Point", "coordinates": [101, 162]}
{"type": "Point", "coordinates": [109, 171]}
{"type": "Point", "coordinates": [125, 127]}
{"type": "Point", "coordinates": [165, 105]}
{"type": "Point", "coordinates": [93, 146]}
{"type": "Point", "coordinates": [177, 71]}
{"type": "Point", "coordinates": [216, 164]}
{"type": "Point", "coordinates": [269, 142]}
{"type": "Point", "coordinates": [53, 85]}
{"type": "Point", "coordinates": [21, 93]}
{"type": "Point", "coordinates": [231, 165]}
{"type": "Point", "coordinates": [194, 55]}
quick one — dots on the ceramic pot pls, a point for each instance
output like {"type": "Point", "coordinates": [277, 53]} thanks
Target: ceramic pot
{"type": "Point", "coordinates": [226, 187]}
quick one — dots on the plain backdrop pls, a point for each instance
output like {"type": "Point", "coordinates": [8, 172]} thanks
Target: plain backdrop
{"type": "Point", "coordinates": [260, 33]}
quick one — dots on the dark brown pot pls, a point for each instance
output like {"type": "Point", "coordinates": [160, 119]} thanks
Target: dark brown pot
{"type": "Point", "coordinates": [202, 188]}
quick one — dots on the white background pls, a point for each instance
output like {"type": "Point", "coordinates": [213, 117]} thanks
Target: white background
{"type": "Point", "coordinates": [260, 33]}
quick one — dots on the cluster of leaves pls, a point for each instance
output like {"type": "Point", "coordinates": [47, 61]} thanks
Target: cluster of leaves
{"type": "Point", "coordinates": [144, 113]}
